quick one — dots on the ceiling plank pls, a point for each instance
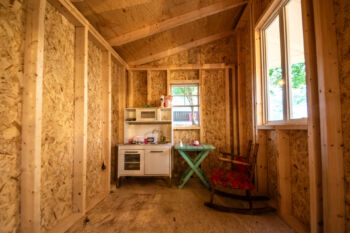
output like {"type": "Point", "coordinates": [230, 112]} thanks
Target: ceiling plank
{"type": "Point", "coordinates": [181, 48]}
{"type": "Point", "coordinates": [176, 21]}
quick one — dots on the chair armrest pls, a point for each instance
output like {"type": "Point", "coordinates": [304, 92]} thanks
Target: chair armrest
{"type": "Point", "coordinates": [234, 161]}
{"type": "Point", "coordinates": [241, 163]}
{"type": "Point", "coordinates": [224, 159]}
{"type": "Point", "coordinates": [225, 153]}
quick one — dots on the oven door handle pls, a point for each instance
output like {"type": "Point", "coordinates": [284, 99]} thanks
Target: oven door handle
{"type": "Point", "coordinates": [131, 152]}
{"type": "Point", "coordinates": [157, 151]}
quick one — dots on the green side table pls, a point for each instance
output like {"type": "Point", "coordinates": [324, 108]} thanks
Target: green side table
{"type": "Point", "coordinates": [203, 150]}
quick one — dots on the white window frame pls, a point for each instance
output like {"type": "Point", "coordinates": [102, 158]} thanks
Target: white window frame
{"type": "Point", "coordinates": [196, 106]}
{"type": "Point", "coordinates": [281, 13]}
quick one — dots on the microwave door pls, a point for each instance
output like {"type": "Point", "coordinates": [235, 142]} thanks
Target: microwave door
{"type": "Point", "coordinates": [147, 115]}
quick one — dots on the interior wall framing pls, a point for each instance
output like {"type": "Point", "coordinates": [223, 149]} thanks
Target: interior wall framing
{"type": "Point", "coordinates": [12, 50]}
{"type": "Point", "coordinates": [331, 102]}
{"type": "Point", "coordinates": [292, 175]}
{"type": "Point", "coordinates": [33, 118]}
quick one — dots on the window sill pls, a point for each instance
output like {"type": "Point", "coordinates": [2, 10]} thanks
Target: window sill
{"type": "Point", "coordinates": [283, 127]}
{"type": "Point", "coordinates": [186, 127]}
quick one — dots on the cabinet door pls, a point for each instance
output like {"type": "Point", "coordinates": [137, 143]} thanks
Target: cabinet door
{"type": "Point", "coordinates": [157, 162]}
{"type": "Point", "coordinates": [130, 162]}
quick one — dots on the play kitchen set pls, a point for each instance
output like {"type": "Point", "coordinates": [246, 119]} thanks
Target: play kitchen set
{"type": "Point", "coordinates": [147, 143]}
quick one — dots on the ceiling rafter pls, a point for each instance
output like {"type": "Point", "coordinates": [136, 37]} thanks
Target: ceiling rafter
{"type": "Point", "coordinates": [176, 21]}
{"type": "Point", "coordinates": [182, 48]}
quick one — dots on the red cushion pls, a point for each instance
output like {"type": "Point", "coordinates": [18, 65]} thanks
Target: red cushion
{"type": "Point", "coordinates": [235, 179]}
{"type": "Point", "coordinates": [240, 167]}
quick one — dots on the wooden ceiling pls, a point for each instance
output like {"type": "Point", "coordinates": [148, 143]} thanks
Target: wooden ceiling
{"type": "Point", "coordinates": [143, 30]}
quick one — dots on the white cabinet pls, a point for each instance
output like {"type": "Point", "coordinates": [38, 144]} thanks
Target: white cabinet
{"type": "Point", "coordinates": [157, 161]}
{"type": "Point", "coordinates": [144, 160]}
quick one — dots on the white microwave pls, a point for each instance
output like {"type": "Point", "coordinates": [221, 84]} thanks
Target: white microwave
{"type": "Point", "coordinates": [146, 114]}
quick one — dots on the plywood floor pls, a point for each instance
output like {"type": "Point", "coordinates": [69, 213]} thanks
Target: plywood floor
{"type": "Point", "coordinates": [150, 206]}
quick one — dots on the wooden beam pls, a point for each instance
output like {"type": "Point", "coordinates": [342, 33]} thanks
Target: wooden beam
{"type": "Point", "coordinates": [181, 48]}
{"type": "Point", "coordinates": [130, 88]}
{"type": "Point", "coordinates": [259, 97]}
{"type": "Point", "coordinates": [64, 224]}
{"type": "Point", "coordinates": [31, 116]}
{"type": "Point", "coordinates": [252, 68]}
{"type": "Point", "coordinates": [185, 81]}
{"type": "Point", "coordinates": [176, 21]}
{"type": "Point", "coordinates": [149, 87]}
{"type": "Point", "coordinates": [168, 80]}
{"type": "Point", "coordinates": [330, 117]}
{"type": "Point", "coordinates": [235, 112]}
{"type": "Point", "coordinates": [107, 113]}
{"type": "Point", "coordinates": [314, 140]}
{"type": "Point", "coordinates": [184, 67]}
{"type": "Point", "coordinates": [240, 15]}
{"type": "Point", "coordinates": [121, 104]}
{"type": "Point", "coordinates": [241, 97]}
{"type": "Point", "coordinates": [228, 110]}
{"type": "Point", "coordinates": [268, 12]}
{"type": "Point", "coordinates": [202, 102]}
{"type": "Point", "coordinates": [283, 171]}
{"type": "Point", "coordinates": [80, 123]}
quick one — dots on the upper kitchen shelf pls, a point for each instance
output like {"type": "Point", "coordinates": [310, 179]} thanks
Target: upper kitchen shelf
{"type": "Point", "coordinates": [148, 116]}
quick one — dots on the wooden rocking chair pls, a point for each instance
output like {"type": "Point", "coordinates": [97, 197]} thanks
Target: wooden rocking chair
{"type": "Point", "coordinates": [241, 176]}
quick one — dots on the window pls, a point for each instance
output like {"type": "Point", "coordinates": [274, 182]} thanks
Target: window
{"type": "Point", "coordinates": [284, 65]}
{"type": "Point", "coordinates": [185, 105]}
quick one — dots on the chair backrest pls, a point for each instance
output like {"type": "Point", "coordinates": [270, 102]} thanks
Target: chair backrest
{"type": "Point", "coordinates": [249, 150]}
{"type": "Point", "coordinates": [252, 161]}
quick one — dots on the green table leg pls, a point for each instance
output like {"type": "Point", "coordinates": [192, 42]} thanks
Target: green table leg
{"type": "Point", "coordinates": [194, 165]}
{"type": "Point", "coordinates": [198, 156]}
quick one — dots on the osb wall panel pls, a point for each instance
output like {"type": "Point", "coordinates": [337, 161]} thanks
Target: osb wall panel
{"type": "Point", "coordinates": [299, 163]}
{"type": "Point", "coordinates": [158, 86]}
{"type": "Point", "coordinates": [94, 133]}
{"type": "Point", "coordinates": [139, 89]}
{"type": "Point", "coordinates": [220, 51]}
{"type": "Point", "coordinates": [342, 19]}
{"type": "Point", "coordinates": [57, 119]}
{"type": "Point", "coordinates": [179, 164]}
{"type": "Point", "coordinates": [184, 75]}
{"type": "Point", "coordinates": [12, 29]}
{"type": "Point", "coordinates": [213, 115]}
{"type": "Point", "coordinates": [272, 154]}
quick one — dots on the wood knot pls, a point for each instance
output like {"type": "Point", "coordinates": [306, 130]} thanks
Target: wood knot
{"type": "Point", "coordinates": [86, 220]}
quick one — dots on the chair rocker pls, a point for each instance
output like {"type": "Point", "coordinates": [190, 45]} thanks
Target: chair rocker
{"type": "Point", "coordinates": [241, 176]}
